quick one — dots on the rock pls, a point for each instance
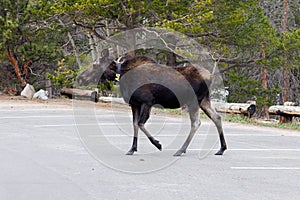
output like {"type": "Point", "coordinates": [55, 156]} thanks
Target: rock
{"type": "Point", "coordinates": [28, 91]}
{"type": "Point", "coordinates": [41, 94]}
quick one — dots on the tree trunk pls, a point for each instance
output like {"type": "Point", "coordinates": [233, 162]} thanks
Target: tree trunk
{"type": "Point", "coordinates": [264, 80]}
{"type": "Point", "coordinates": [26, 69]}
{"type": "Point", "coordinates": [92, 48]}
{"type": "Point", "coordinates": [285, 70]}
{"type": "Point", "coordinates": [286, 82]}
{"type": "Point", "coordinates": [285, 16]}
{"type": "Point", "coordinates": [74, 50]}
{"type": "Point", "coordinates": [97, 49]}
{"type": "Point", "coordinates": [11, 57]}
{"type": "Point", "coordinates": [73, 45]}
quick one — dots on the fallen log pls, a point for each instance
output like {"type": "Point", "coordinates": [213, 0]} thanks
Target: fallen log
{"type": "Point", "coordinates": [287, 110]}
{"type": "Point", "coordinates": [73, 93]}
{"type": "Point", "coordinates": [246, 109]}
{"type": "Point", "coordinates": [112, 99]}
{"type": "Point", "coordinates": [286, 113]}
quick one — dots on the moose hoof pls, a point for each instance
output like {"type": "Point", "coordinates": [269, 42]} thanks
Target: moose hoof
{"type": "Point", "coordinates": [157, 144]}
{"type": "Point", "coordinates": [131, 151]}
{"type": "Point", "coordinates": [179, 152]}
{"type": "Point", "coordinates": [220, 152]}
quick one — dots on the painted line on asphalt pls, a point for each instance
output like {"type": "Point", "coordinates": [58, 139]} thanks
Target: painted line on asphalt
{"type": "Point", "coordinates": [116, 136]}
{"type": "Point", "coordinates": [156, 123]}
{"type": "Point", "coordinates": [152, 123]}
{"type": "Point", "coordinates": [52, 116]}
{"type": "Point", "coordinates": [265, 168]}
{"type": "Point", "coordinates": [239, 149]}
{"type": "Point", "coordinates": [100, 124]}
{"type": "Point", "coordinates": [37, 109]}
{"type": "Point", "coordinates": [37, 116]}
{"type": "Point", "coordinates": [62, 125]}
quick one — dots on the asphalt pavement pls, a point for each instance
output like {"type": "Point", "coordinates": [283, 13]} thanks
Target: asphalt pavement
{"type": "Point", "coordinates": [79, 153]}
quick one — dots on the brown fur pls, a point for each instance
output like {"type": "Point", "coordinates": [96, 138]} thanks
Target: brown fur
{"type": "Point", "coordinates": [137, 61]}
{"type": "Point", "coordinates": [148, 83]}
{"type": "Point", "coordinates": [190, 72]}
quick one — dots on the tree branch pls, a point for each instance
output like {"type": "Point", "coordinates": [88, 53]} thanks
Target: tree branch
{"type": "Point", "coordinates": [99, 35]}
{"type": "Point", "coordinates": [194, 35]}
{"type": "Point", "coordinates": [237, 64]}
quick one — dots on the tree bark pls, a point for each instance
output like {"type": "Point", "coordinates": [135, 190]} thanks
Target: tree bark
{"type": "Point", "coordinates": [92, 48]}
{"type": "Point", "coordinates": [11, 57]}
{"type": "Point", "coordinates": [285, 70]}
{"type": "Point", "coordinates": [75, 50]}
{"type": "Point", "coordinates": [73, 45]}
{"type": "Point", "coordinates": [26, 69]}
{"type": "Point", "coordinates": [286, 82]}
{"type": "Point", "coordinates": [264, 80]}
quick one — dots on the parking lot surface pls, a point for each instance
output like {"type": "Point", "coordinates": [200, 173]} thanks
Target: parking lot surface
{"type": "Point", "coordinates": [69, 153]}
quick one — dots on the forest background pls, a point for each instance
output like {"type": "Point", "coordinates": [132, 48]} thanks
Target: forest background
{"type": "Point", "coordinates": [256, 43]}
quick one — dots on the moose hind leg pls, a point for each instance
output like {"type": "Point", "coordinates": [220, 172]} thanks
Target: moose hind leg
{"type": "Point", "coordinates": [135, 114]}
{"type": "Point", "coordinates": [144, 116]}
{"type": "Point", "coordinates": [195, 123]}
{"type": "Point", "coordinates": [216, 118]}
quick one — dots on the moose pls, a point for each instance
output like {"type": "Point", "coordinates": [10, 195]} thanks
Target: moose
{"type": "Point", "coordinates": [144, 83]}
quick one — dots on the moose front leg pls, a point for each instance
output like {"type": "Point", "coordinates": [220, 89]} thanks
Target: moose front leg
{"type": "Point", "coordinates": [135, 114]}
{"type": "Point", "coordinates": [133, 147]}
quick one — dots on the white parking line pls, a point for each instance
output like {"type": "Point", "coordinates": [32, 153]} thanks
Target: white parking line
{"type": "Point", "coordinates": [36, 116]}
{"type": "Point", "coordinates": [21, 110]}
{"type": "Point", "coordinates": [100, 124]}
{"type": "Point", "coordinates": [240, 149]}
{"type": "Point", "coordinates": [265, 168]}
{"type": "Point", "coordinates": [264, 149]}
{"type": "Point", "coordinates": [62, 125]}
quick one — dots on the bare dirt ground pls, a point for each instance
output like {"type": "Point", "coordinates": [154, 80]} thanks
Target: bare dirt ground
{"type": "Point", "coordinates": [8, 102]}
{"type": "Point", "coordinates": [19, 102]}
